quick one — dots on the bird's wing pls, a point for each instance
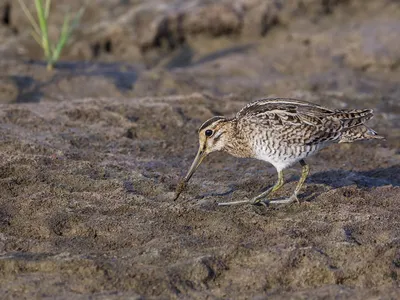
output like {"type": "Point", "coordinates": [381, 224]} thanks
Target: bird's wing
{"type": "Point", "coordinates": [282, 111]}
{"type": "Point", "coordinates": [322, 122]}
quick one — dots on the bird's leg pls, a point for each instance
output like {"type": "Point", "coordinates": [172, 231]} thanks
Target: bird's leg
{"type": "Point", "coordinates": [257, 200]}
{"type": "Point", "coordinates": [304, 173]}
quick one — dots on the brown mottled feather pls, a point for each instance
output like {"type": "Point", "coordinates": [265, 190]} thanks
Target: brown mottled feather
{"type": "Point", "coordinates": [322, 124]}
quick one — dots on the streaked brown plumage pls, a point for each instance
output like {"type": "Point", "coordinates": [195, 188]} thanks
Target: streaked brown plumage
{"type": "Point", "coordinates": [282, 132]}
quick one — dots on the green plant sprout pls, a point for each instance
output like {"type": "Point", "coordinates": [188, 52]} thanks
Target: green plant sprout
{"type": "Point", "coordinates": [40, 31]}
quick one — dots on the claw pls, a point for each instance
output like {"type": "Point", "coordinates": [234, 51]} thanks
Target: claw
{"type": "Point", "coordinates": [264, 203]}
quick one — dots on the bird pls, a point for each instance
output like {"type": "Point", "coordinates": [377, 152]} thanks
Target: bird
{"type": "Point", "coordinates": [282, 132]}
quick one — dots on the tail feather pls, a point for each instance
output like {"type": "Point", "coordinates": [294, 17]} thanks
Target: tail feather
{"type": "Point", "coordinates": [359, 133]}
{"type": "Point", "coordinates": [353, 118]}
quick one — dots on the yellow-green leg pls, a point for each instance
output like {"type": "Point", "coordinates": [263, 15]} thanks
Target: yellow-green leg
{"type": "Point", "coordinates": [257, 200]}
{"type": "Point", "coordinates": [304, 173]}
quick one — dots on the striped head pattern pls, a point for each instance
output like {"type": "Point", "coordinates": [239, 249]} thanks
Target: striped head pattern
{"type": "Point", "coordinates": [212, 135]}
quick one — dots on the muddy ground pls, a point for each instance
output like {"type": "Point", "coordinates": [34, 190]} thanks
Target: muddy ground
{"type": "Point", "coordinates": [90, 153]}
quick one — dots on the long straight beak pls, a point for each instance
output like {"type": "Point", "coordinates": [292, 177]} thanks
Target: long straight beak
{"type": "Point", "coordinates": [196, 162]}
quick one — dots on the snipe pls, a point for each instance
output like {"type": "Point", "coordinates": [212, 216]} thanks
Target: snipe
{"type": "Point", "coordinates": [282, 132]}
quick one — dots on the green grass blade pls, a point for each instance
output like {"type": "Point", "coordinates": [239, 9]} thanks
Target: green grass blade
{"type": "Point", "coordinates": [66, 32]}
{"type": "Point", "coordinates": [43, 28]}
{"type": "Point", "coordinates": [47, 9]}
{"type": "Point", "coordinates": [62, 40]}
{"type": "Point", "coordinates": [30, 17]}
{"type": "Point", "coordinates": [40, 31]}
{"type": "Point", "coordinates": [77, 19]}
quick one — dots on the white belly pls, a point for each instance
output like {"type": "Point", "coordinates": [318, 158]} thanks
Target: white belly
{"type": "Point", "coordinates": [280, 163]}
{"type": "Point", "coordinates": [284, 159]}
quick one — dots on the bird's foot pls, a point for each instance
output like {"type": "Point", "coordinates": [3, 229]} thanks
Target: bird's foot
{"type": "Point", "coordinates": [259, 201]}
{"type": "Point", "coordinates": [255, 201]}
{"type": "Point", "coordinates": [266, 202]}
{"type": "Point", "coordinates": [289, 200]}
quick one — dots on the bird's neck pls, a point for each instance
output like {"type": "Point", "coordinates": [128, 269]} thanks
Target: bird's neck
{"type": "Point", "coordinates": [236, 143]}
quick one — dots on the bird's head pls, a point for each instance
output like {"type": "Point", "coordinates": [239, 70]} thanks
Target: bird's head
{"type": "Point", "coordinates": [212, 137]}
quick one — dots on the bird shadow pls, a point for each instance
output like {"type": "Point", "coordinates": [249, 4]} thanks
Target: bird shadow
{"type": "Point", "coordinates": [362, 179]}
{"type": "Point", "coordinates": [342, 178]}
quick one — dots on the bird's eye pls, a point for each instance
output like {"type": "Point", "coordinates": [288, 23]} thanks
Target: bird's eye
{"type": "Point", "coordinates": [209, 132]}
